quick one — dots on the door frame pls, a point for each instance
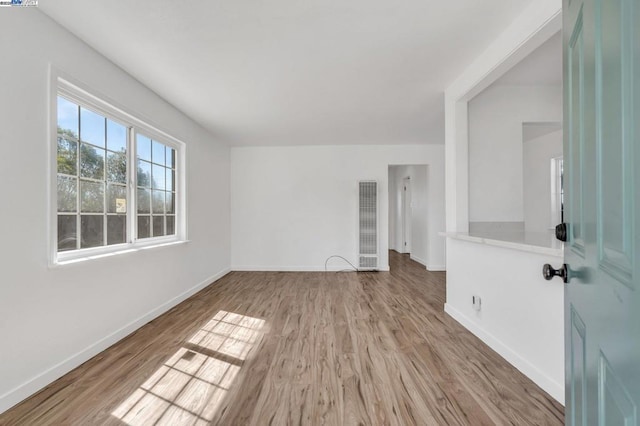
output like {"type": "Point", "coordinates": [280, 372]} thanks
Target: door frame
{"type": "Point", "coordinates": [406, 215]}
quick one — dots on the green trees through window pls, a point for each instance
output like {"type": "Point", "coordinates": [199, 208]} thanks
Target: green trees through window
{"type": "Point", "coordinates": [156, 196]}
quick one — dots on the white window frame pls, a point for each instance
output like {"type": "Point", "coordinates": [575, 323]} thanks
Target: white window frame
{"type": "Point", "coordinates": [73, 91]}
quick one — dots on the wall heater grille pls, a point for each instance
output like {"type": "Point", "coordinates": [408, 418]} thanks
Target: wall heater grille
{"type": "Point", "coordinates": [368, 225]}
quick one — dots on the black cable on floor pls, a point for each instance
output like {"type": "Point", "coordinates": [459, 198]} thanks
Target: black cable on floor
{"type": "Point", "coordinates": [344, 270]}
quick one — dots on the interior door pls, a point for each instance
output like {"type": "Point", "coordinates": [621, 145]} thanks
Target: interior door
{"type": "Point", "coordinates": [602, 166]}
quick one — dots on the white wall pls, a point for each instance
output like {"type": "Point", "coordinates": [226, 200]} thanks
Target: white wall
{"type": "Point", "coordinates": [53, 319]}
{"type": "Point", "coordinates": [496, 148]}
{"type": "Point", "coordinates": [522, 315]}
{"type": "Point", "coordinates": [538, 153]}
{"type": "Point", "coordinates": [419, 210]}
{"type": "Point", "coordinates": [539, 22]}
{"type": "Point", "coordinates": [293, 207]}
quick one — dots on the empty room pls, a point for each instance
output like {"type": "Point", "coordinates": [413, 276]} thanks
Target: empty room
{"type": "Point", "coordinates": [320, 212]}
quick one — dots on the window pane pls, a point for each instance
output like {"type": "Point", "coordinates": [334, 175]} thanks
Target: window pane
{"type": "Point", "coordinates": [158, 177]}
{"type": "Point", "coordinates": [170, 203]}
{"type": "Point", "coordinates": [157, 153]}
{"type": "Point", "coordinates": [91, 231]}
{"type": "Point", "coordinates": [67, 194]}
{"type": "Point", "coordinates": [157, 204]}
{"type": "Point", "coordinates": [116, 199]}
{"type": "Point", "coordinates": [117, 166]}
{"type": "Point", "coordinates": [171, 180]}
{"type": "Point", "coordinates": [116, 136]}
{"type": "Point", "coordinates": [91, 162]}
{"type": "Point", "coordinates": [144, 174]}
{"type": "Point", "coordinates": [171, 225]}
{"type": "Point", "coordinates": [158, 226]}
{"type": "Point", "coordinates": [144, 226]}
{"type": "Point", "coordinates": [92, 197]}
{"type": "Point", "coordinates": [116, 229]}
{"type": "Point", "coordinates": [67, 156]}
{"type": "Point", "coordinates": [67, 235]}
{"type": "Point", "coordinates": [67, 118]}
{"type": "Point", "coordinates": [92, 128]}
{"type": "Point", "coordinates": [143, 147]}
{"type": "Point", "coordinates": [144, 200]}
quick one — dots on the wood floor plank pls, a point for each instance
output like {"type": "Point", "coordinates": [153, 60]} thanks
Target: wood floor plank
{"type": "Point", "coordinates": [283, 348]}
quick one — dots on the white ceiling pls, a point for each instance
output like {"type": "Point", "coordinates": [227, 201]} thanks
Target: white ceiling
{"type": "Point", "coordinates": [542, 67]}
{"type": "Point", "coordinates": [291, 72]}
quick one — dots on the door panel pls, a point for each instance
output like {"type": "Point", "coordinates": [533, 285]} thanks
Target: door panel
{"type": "Point", "coordinates": [602, 304]}
{"type": "Point", "coordinates": [614, 118]}
{"type": "Point", "coordinates": [616, 405]}
{"type": "Point", "coordinates": [578, 370]}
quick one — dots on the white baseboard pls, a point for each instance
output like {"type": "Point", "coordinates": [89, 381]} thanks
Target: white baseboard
{"type": "Point", "coordinates": [436, 268]}
{"type": "Point", "coordinates": [330, 268]}
{"type": "Point", "coordinates": [45, 378]}
{"type": "Point", "coordinates": [417, 259]}
{"type": "Point", "coordinates": [553, 388]}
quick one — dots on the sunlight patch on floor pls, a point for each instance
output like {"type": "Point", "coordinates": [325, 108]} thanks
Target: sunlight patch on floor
{"type": "Point", "coordinates": [189, 388]}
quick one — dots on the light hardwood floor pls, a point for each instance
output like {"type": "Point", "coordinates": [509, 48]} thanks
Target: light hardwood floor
{"type": "Point", "coordinates": [268, 348]}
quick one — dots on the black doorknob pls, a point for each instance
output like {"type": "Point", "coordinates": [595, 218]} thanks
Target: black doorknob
{"type": "Point", "coordinates": [561, 232]}
{"type": "Point", "coordinates": [548, 272]}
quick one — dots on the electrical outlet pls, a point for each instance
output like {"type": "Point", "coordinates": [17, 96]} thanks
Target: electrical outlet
{"type": "Point", "coordinates": [477, 303]}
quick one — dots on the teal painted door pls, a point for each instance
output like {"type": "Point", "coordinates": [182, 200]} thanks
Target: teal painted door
{"type": "Point", "coordinates": [602, 166]}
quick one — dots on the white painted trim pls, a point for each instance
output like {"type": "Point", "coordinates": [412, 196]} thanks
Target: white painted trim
{"type": "Point", "coordinates": [52, 170]}
{"type": "Point", "coordinates": [45, 378]}
{"type": "Point", "coordinates": [557, 250]}
{"type": "Point", "coordinates": [63, 84]}
{"type": "Point", "coordinates": [556, 390]}
{"type": "Point", "coordinates": [535, 25]}
{"type": "Point", "coordinates": [418, 260]}
{"type": "Point", "coordinates": [330, 268]}
{"type": "Point", "coordinates": [436, 268]}
{"type": "Point", "coordinates": [83, 255]}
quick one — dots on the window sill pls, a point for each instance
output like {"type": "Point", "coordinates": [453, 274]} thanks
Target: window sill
{"type": "Point", "coordinates": [84, 257]}
{"type": "Point", "coordinates": [539, 243]}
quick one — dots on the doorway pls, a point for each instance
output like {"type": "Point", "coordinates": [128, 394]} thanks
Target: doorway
{"type": "Point", "coordinates": [408, 211]}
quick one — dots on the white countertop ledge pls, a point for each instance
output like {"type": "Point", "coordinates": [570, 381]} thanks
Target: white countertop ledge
{"type": "Point", "coordinates": [515, 241]}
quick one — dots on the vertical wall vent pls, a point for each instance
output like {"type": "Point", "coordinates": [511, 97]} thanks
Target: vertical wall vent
{"type": "Point", "coordinates": [368, 225]}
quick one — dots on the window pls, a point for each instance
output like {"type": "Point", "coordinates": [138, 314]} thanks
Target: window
{"type": "Point", "coordinates": [116, 179]}
{"type": "Point", "coordinates": [156, 193]}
